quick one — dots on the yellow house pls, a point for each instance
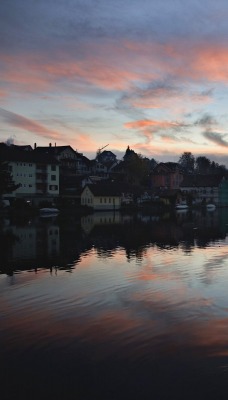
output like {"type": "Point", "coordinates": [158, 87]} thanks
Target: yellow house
{"type": "Point", "coordinates": [101, 196]}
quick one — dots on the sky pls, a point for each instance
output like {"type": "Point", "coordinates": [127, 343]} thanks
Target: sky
{"type": "Point", "coordinates": [151, 74]}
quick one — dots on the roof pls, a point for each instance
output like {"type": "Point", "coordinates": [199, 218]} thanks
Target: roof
{"type": "Point", "coordinates": [57, 150]}
{"type": "Point", "coordinates": [108, 188]}
{"type": "Point", "coordinates": [105, 189]}
{"type": "Point", "coordinates": [167, 168]}
{"type": "Point", "coordinates": [14, 153]}
{"type": "Point", "coordinates": [53, 150]}
{"type": "Point", "coordinates": [201, 181]}
{"type": "Point", "coordinates": [25, 147]}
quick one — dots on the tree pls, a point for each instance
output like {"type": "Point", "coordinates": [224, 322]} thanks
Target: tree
{"type": "Point", "coordinates": [153, 163]}
{"type": "Point", "coordinates": [217, 169]}
{"type": "Point", "coordinates": [187, 161]}
{"type": "Point", "coordinates": [203, 165]}
{"type": "Point", "coordinates": [136, 166]}
{"type": "Point", "coordinates": [7, 184]}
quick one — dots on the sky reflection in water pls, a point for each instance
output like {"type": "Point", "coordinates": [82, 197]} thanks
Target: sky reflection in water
{"type": "Point", "coordinates": [157, 312]}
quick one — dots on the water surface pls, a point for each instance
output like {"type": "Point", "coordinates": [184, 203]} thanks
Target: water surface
{"type": "Point", "coordinates": [115, 306]}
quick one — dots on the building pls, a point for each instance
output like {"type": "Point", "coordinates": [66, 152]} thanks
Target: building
{"type": "Point", "coordinates": [36, 175]}
{"type": "Point", "coordinates": [167, 175]}
{"type": "Point", "coordinates": [104, 196]}
{"type": "Point", "coordinates": [71, 162]}
{"type": "Point", "coordinates": [203, 189]}
{"type": "Point", "coordinates": [223, 193]}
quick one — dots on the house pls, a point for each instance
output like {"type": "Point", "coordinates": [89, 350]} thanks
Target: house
{"type": "Point", "coordinates": [169, 197]}
{"type": "Point", "coordinates": [167, 175]}
{"type": "Point", "coordinates": [223, 193]}
{"type": "Point", "coordinates": [102, 196]}
{"type": "Point", "coordinates": [103, 164]}
{"type": "Point", "coordinates": [37, 176]}
{"type": "Point", "coordinates": [99, 169]}
{"type": "Point", "coordinates": [71, 162]}
{"type": "Point", "coordinates": [106, 157]}
{"type": "Point", "coordinates": [203, 189]}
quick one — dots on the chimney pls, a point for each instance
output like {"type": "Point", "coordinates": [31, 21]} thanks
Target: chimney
{"type": "Point", "coordinates": [49, 144]}
{"type": "Point", "coordinates": [34, 145]}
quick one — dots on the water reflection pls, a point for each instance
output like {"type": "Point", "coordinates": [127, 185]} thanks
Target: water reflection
{"type": "Point", "coordinates": [143, 315]}
{"type": "Point", "coordinates": [61, 241]}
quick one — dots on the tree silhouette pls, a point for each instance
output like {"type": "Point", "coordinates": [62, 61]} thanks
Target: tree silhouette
{"type": "Point", "coordinates": [7, 184]}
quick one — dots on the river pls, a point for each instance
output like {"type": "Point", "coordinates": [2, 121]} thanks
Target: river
{"type": "Point", "coordinates": [115, 306]}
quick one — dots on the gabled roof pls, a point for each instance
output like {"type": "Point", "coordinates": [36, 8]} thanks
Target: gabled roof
{"type": "Point", "coordinates": [25, 147]}
{"type": "Point", "coordinates": [12, 153]}
{"type": "Point", "coordinates": [105, 189]}
{"type": "Point", "coordinates": [83, 158]}
{"type": "Point", "coordinates": [201, 181]}
{"type": "Point", "coordinates": [168, 167]}
{"type": "Point", "coordinates": [53, 150]}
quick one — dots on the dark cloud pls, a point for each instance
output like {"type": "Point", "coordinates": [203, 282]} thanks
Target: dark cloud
{"type": "Point", "coordinates": [216, 138]}
{"type": "Point", "coordinates": [52, 23]}
{"type": "Point", "coordinates": [206, 120]}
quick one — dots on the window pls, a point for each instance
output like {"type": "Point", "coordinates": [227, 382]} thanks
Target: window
{"type": "Point", "coordinates": [53, 187]}
{"type": "Point", "coordinates": [53, 177]}
{"type": "Point", "coordinates": [30, 185]}
{"type": "Point", "coordinates": [53, 167]}
{"type": "Point", "coordinates": [101, 200]}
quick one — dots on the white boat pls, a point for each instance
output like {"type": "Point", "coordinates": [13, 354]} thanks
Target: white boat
{"type": "Point", "coordinates": [181, 206]}
{"type": "Point", "coordinates": [49, 211]}
{"type": "Point", "coordinates": [211, 207]}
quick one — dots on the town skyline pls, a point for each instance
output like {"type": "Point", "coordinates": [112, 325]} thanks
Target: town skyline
{"type": "Point", "coordinates": [151, 75]}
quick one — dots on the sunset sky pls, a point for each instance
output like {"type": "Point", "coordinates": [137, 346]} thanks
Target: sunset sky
{"type": "Point", "coordinates": [151, 74]}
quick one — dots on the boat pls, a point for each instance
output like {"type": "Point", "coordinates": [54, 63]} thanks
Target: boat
{"type": "Point", "coordinates": [181, 206]}
{"type": "Point", "coordinates": [49, 212]}
{"type": "Point", "coordinates": [210, 206]}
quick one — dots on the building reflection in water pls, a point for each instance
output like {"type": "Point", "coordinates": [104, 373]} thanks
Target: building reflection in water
{"type": "Point", "coordinates": [88, 222]}
{"type": "Point", "coordinates": [62, 241]}
{"type": "Point", "coordinates": [33, 241]}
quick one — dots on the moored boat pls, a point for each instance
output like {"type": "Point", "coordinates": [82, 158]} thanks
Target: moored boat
{"type": "Point", "coordinates": [211, 206]}
{"type": "Point", "coordinates": [181, 206]}
{"type": "Point", "coordinates": [49, 211]}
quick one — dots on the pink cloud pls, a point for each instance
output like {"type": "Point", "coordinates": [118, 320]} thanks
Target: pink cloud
{"type": "Point", "coordinates": [151, 123]}
{"type": "Point", "coordinates": [115, 66]}
{"type": "Point", "coordinates": [27, 124]}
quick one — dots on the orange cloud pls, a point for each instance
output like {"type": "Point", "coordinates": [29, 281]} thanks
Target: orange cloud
{"type": "Point", "coordinates": [151, 123]}
{"type": "Point", "coordinates": [114, 66]}
{"type": "Point", "coordinates": [83, 142]}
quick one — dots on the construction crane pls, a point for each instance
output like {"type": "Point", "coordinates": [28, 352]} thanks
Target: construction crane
{"type": "Point", "coordinates": [100, 149]}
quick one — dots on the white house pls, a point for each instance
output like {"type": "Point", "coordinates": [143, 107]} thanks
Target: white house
{"type": "Point", "coordinates": [37, 176]}
{"type": "Point", "coordinates": [101, 196]}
